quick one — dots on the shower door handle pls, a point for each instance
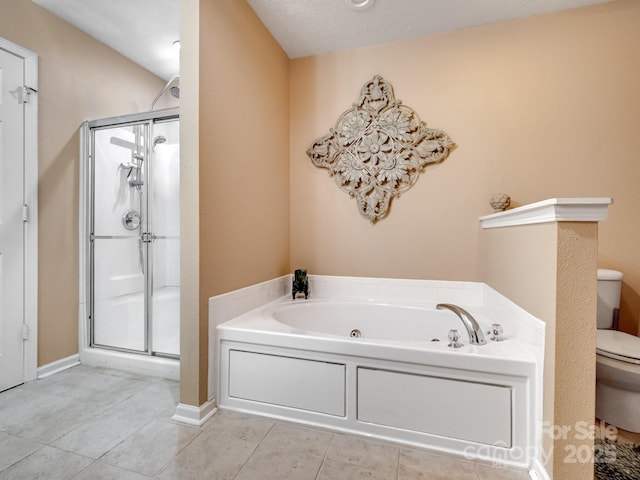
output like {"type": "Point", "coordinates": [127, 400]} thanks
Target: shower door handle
{"type": "Point", "coordinates": [141, 252]}
{"type": "Point", "coordinates": [145, 237]}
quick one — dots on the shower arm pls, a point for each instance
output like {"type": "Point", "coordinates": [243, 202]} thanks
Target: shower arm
{"type": "Point", "coordinates": [172, 81]}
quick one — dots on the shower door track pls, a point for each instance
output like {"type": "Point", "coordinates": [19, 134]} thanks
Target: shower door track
{"type": "Point", "coordinates": [119, 120]}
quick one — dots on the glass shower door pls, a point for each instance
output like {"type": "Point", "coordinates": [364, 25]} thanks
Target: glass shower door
{"type": "Point", "coordinates": [119, 256]}
{"type": "Point", "coordinates": [134, 238]}
{"type": "Point", "coordinates": [164, 248]}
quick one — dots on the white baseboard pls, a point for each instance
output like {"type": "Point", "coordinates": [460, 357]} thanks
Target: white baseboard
{"type": "Point", "coordinates": [58, 366]}
{"type": "Point", "coordinates": [538, 472]}
{"type": "Point", "coordinates": [191, 415]}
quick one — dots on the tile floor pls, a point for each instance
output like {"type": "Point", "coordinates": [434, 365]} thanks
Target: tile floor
{"type": "Point", "coordinates": [96, 424]}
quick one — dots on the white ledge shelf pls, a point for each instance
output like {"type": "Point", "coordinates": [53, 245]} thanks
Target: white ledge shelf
{"type": "Point", "coordinates": [551, 210]}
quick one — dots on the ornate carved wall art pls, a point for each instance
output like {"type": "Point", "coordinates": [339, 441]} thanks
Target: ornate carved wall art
{"type": "Point", "coordinates": [378, 149]}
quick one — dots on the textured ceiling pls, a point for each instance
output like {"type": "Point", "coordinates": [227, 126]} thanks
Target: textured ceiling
{"type": "Point", "coordinates": [144, 30]}
{"type": "Point", "coordinates": [311, 27]}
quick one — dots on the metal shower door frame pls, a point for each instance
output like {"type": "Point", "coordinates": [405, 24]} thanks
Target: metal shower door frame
{"type": "Point", "coordinates": [146, 120]}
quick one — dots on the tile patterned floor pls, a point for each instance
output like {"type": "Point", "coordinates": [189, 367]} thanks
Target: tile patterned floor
{"type": "Point", "coordinates": [96, 424]}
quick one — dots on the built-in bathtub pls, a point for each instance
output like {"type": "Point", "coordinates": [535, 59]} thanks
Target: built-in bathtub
{"type": "Point", "coordinates": [398, 380]}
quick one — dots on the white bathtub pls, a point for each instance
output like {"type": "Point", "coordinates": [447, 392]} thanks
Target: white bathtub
{"type": "Point", "coordinates": [372, 320]}
{"type": "Point", "coordinates": [399, 381]}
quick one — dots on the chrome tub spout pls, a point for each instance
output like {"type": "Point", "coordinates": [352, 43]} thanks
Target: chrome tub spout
{"type": "Point", "coordinates": [473, 329]}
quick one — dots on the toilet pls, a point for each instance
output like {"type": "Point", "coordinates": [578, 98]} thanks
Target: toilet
{"type": "Point", "coordinates": [617, 360]}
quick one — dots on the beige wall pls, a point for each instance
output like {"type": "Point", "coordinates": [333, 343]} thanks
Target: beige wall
{"type": "Point", "coordinates": [244, 154]}
{"type": "Point", "coordinates": [244, 150]}
{"type": "Point", "coordinates": [243, 141]}
{"type": "Point", "coordinates": [521, 263]}
{"type": "Point", "coordinates": [550, 270]}
{"type": "Point", "coordinates": [575, 339]}
{"type": "Point", "coordinates": [539, 108]}
{"type": "Point", "coordinates": [79, 79]}
{"type": "Point", "coordinates": [193, 353]}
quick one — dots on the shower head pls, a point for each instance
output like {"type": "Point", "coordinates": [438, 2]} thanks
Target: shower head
{"type": "Point", "coordinates": [157, 141]}
{"type": "Point", "coordinates": [173, 85]}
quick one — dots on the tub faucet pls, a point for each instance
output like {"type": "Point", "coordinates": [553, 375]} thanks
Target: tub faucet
{"type": "Point", "coordinates": [473, 329]}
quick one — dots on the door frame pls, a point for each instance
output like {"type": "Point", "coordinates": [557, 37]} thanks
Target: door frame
{"type": "Point", "coordinates": [30, 307]}
{"type": "Point", "coordinates": [84, 231]}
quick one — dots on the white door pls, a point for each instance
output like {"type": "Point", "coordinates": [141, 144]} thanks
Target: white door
{"type": "Point", "coordinates": [11, 220]}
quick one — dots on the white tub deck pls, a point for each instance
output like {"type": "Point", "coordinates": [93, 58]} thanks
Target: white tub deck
{"type": "Point", "coordinates": [394, 383]}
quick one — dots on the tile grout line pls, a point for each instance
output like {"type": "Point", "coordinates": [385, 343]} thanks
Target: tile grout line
{"type": "Point", "coordinates": [25, 457]}
{"type": "Point", "coordinates": [254, 450]}
{"type": "Point", "coordinates": [324, 456]}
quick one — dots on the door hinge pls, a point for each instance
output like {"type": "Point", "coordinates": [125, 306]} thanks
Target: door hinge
{"type": "Point", "coordinates": [25, 331]}
{"type": "Point", "coordinates": [25, 213]}
{"type": "Point", "coordinates": [25, 94]}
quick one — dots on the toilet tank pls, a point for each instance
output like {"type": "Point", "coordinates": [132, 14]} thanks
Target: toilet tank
{"type": "Point", "coordinates": [609, 285]}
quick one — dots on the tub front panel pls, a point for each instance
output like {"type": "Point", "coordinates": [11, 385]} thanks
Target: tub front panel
{"type": "Point", "coordinates": [465, 411]}
{"type": "Point", "coordinates": [471, 411]}
{"type": "Point", "coordinates": [290, 382]}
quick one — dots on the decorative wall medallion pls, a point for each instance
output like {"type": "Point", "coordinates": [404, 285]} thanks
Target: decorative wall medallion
{"type": "Point", "coordinates": [378, 149]}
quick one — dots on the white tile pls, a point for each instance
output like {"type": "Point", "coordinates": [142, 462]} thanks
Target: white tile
{"type": "Point", "coordinates": [415, 464]}
{"type": "Point", "coordinates": [234, 425]}
{"type": "Point", "coordinates": [453, 294]}
{"type": "Point", "coordinates": [14, 449]}
{"type": "Point", "coordinates": [61, 417]}
{"type": "Point", "coordinates": [19, 405]}
{"type": "Point", "coordinates": [267, 463]}
{"type": "Point", "coordinates": [102, 471]}
{"type": "Point", "coordinates": [375, 456]}
{"type": "Point", "coordinates": [292, 438]}
{"type": "Point", "coordinates": [138, 441]}
{"type": "Point", "coordinates": [336, 470]}
{"type": "Point", "coordinates": [152, 447]}
{"type": "Point", "coordinates": [411, 292]}
{"type": "Point", "coordinates": [47, 463]}
{"type": "Point", "coordinates": [209, 457]}
{"type": "Point", "coordinates": [230, 305]}
{"type": "Point", "coordinates": [95, 438]}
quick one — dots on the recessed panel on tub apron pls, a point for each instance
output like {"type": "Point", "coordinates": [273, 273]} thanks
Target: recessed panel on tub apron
{"type": "Point", "coordinates": [286, 381]}
{"type": "Point", "coordinates": [466, 410]}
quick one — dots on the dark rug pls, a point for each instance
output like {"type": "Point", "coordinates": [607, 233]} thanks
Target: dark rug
{"type": "Point", "coordinates": [616, 461]}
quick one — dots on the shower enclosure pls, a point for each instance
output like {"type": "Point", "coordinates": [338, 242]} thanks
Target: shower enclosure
{"type": "Point", "coordinates": [130, 216]}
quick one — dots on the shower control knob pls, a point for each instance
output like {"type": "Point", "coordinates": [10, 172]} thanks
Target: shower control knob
{"type": "Point", "coordinates": [454, 338]}
{"type": "Point", "coordinates": [131, 220]}
{"type": "Point", "coordinates": [496, 332]}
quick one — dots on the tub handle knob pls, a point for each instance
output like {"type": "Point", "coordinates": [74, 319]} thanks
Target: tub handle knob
{"type": "Point", "coordinates": [454, 339]}
{"type": "Point", "coordinates": [496, 332]}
